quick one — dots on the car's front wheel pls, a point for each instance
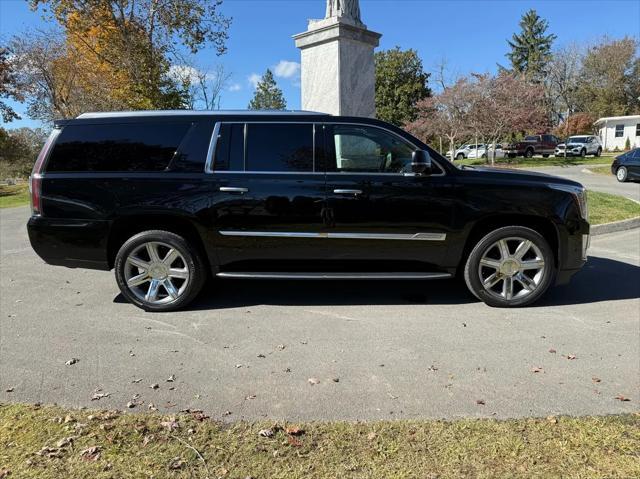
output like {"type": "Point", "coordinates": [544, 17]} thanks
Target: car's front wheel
{"type": "Point", "coordinates": [511, 266]}
{"type": "Point", "coordinates": [460, 157]}
{"type": "Point", "coordinates": [622, 174]}
{"type": "Point", "coordinates": [528, 153]}
{"type": "Point", "coordinates": [599, 152]}
{"type": "Point", "coordinates": [159, 271]}
{"type": "Point", "coordinates": [583, 152]}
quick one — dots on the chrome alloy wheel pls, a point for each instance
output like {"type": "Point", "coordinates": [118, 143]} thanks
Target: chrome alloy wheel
{"type": "Point", "coordinates": [512, 268]}
{"type": "Point", "coordinates": [156, 273]}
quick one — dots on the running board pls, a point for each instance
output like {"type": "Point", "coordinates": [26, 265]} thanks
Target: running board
{"type": "Point", "coordinates": [271, 275]}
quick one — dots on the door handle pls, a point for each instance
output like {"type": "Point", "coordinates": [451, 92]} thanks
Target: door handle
{"type": "Point", "coordinates": [230, 189]}
{"type": "Point", "coordinates": [347, 192]}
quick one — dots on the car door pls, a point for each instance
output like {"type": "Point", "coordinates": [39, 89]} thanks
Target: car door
{"type": "Point", "coordinates": [268, 197]}
{"type": "Point", "coordinates": [382, 216]}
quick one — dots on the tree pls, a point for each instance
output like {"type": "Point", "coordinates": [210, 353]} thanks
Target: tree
{"type": "Point", "coordinates": [446, 114]}
{"type": "Point", "coordinates": [123, 49]}
{"type": "Point", "coordinates": [267, 95]}
{"type": "Point", "coordinates": [18, 151]}
{"type": "Point", "coordinates": [400, 83]}
{"type": "Point", "coordinates": [609, 83]}
{"type": "Point", "coordinates": [8, 86]}
{"type": "Point", "coordinates": [531, 49]}
{"type": "Point", "coordinates": [562, 79]}
{"type": "Point", "coordinates": [578, 124]}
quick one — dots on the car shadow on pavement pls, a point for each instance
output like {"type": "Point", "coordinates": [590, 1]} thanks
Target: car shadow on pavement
{"type": "Point", "coordinates": [601, 279]}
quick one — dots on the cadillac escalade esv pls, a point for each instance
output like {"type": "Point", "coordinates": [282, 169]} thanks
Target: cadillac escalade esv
{"type": "Point", "coordinates": [167, 199]}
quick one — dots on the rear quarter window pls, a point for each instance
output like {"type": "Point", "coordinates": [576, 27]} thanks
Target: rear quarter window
{"type": "Point", "coordinates": [116, 147]}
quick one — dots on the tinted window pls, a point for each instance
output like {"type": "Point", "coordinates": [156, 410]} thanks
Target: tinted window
{"type": "Point", "coordinates": [279, 147]}
{"type": "Point", "coordinates": [531, 138]}
{"type": "Point", "coordinates": [369, 150]}
{"type": "Point", "coordinates": [194, 148]}
{"type": "Point", "coordinates": [117, 147]}
{"type": "Point", "coordinates": [230, 148]}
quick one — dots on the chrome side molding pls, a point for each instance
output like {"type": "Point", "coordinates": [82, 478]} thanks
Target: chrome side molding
{"type": "Point", "coordinates": [368, 236]}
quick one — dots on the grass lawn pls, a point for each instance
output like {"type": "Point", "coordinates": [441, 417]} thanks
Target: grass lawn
{"type": "Point", "coordinates": [14, 195]}
{"type": "Point", "coordinates": [606, 208]}
{"type": "Point", "coordinates": [540, 161]}
{"type": "Point", "coordinates": [601, 170]}
{"type": "Point", "coordinates": [50, 442]}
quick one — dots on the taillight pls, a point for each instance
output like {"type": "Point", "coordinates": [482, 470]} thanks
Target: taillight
{"type": "Point", "coordinates": [35, 181]}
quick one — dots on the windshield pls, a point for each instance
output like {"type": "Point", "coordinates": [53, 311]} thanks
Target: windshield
{"type": "Point", "coordinates": [578, 139]}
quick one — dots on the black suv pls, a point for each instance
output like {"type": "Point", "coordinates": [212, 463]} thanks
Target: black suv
{"type": "Point", "coordinates": [168, 198]}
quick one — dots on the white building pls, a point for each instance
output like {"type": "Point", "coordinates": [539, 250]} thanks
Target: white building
{"type": "Point", "coordinates": [614, 131]}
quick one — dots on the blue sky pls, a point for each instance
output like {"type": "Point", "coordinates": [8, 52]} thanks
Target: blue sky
{"type": "Point", "coordinates": [470, 34]}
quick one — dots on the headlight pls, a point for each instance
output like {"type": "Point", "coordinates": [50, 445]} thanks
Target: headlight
{"type": "Point", "coordinates": [579, 194]}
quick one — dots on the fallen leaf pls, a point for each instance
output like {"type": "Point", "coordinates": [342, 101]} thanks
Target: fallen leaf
{"type": "Point", "coordinates": [281, 347]}
{"type": "Point", "coordinates": [49, 452]}
{"type": "Point", "coordinates": [480, 402]}
{"type": "Point", "coordinates": [250, 397]}
{"type": "Point", "coordinates": [537, 370]}
{"type": "Point", "coordinates": [226, 413]}
{"type": "Point", "coordinates": [596, 380]}
{"type": "Point", "coordinates": [294, 441]}
{"type": "Point", "coordinates": [552, 419]}
{"type": "Point", "coordinates": [371, 436]}
{"type": "Point", "coordinates": [552, 351]}
{"type": "Point", "coordinates": [313, 381]}
{"type": "Point", "coordinates": [155, 386]}
{"type": "Point", "coordinates": [392, 396]}
{"type": "Point", "coordinates": [294, 431]}
{"type": "Point", "coordinates": [571, 356]}
{"type": "Point", "coordinates": [65, 441]}
{"type": "Point", "coordinates": [265, 433]}
{"type": "Point", "coordinates": [98, 396]}
{"type": "Point", "coordinates": [336, 380]}
{"type": "Point", "coordinates": [4, 473]}
{"type": "Point", "coordinates": [9, 390]}
{"type": "Point", "coordinates": [620, 397]}
{"type": "Point", "coordinates": [433, 368]}
{"type": "Point", "coordinates": [238, 366]}
{"type": "Point", "coordinates": [131, 405]}
{"type": "Point", "coordinates": [261, 356]}
{"type": "Point", "coordinates": [72, 361]}
{"type": "Point", "coordinates": [152, 407]}
{"type": "Point", "coordinates": [91, 453]}
{"type": "Point", "coordinates": [171, 378]}
{"type": "Point", "coordinates": [171, 424]}
{"type": "Point", "coordinates": [176, 463]}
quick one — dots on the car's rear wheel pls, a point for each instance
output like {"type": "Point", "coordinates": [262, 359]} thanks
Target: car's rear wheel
{"type": "Point", "coordinates": [159, 271]}
{"type": "Point", "coordinates": [528, 153]}
{"type": "Point", "coordinates": [511, 266]}
{"type": "Point", "coordinates": [622, 174]}
{"type": "Point", "coordinates": [599, 152]}
{"type": "Point", "coordinates": [583, 152]}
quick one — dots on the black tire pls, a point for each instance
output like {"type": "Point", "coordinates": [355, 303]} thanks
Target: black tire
{"type": "Point", "coordinates": [599, 152]}
{"type": "Point", "coordinates": [622, 174]}
{"type": "Point", "coordinates": [472, 267]}
{"type": "Point", "coordinates": [528, 153]}
{"type": "Point", "coordinates": [460, 156]}
{"type": "Point", "coordinates": [193, 262]}
{"type": "Point", "coordinates": [583, 152]}
{"type": "Point", "coordinates": [545, 156]}
{"type": "Point", "coordinates": [512, 155]}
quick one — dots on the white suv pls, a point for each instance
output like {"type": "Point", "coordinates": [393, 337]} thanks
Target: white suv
{"type": "Point", "coordinates": [580, 145]}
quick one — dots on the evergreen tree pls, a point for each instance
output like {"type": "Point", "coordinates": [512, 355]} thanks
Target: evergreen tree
{"type": "Point", "coordinates": [268, 96]}
{"type": "Point", "coordinates": [400, 84]}
{"type": "Point", "coordinates": [531, 49]}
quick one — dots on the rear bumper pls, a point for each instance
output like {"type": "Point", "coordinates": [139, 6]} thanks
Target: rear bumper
{"type": "Point", "coordinates": [70, 243]}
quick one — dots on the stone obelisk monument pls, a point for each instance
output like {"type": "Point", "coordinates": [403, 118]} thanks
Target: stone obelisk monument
{"type": "Point", "coordinates": [338, 72]}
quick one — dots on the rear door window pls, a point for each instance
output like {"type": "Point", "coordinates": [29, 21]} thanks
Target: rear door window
{"type": "Point", "coordinates": [229, 155]}
{"type": "Point", "coordinates": [279, 147]}
{"type": "Point", "coordinates": [117, 147]}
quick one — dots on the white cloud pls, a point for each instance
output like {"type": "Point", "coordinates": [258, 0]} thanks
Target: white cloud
{"type": "Point", "coordinates": [183, 72]}
{"type": "Point", "coordinates": [287, 69]}
{"type": "Point", "coordinates": [254, 79]}
{"type": "Point", "coordinates": [235, 87]}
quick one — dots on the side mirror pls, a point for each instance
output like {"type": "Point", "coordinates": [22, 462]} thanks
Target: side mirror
{"type": "Point", "coordinates": [421, 163]}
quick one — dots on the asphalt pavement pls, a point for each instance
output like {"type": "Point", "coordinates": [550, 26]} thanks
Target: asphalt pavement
{"type": "Point", "coordinates": [376, 350]}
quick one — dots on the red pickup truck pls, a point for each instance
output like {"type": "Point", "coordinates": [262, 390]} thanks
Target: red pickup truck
{"type": "Point", "coordinates": [543, 145]}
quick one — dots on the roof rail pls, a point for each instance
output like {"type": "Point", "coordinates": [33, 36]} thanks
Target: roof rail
{"type": "Point", "coordinates": [143, 113]}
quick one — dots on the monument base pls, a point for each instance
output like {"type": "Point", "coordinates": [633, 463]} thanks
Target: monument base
{"type": "Point", "coordinates": [338, 68]}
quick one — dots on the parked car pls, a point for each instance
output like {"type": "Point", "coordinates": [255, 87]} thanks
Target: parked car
{"type": "Point", "coordinates": [461, 153]}
{"type": "Point", "coordinates": [626, 167]}
{"type": "Point", "coordinates": [481, 152]}
{"type": "Point", "coordinates": [544, 145]}
{"type": "Point", "coordinates": [167, 199]}
{"type": "Point", "coordinates": [581, 145]}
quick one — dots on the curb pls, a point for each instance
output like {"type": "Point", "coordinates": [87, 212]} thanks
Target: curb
{"type": "Point", "coordinates": [615, 226]}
